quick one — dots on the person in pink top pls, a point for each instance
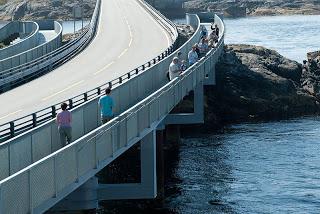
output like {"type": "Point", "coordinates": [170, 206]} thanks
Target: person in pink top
{"type": "Point", "coordinates": [64, 125]}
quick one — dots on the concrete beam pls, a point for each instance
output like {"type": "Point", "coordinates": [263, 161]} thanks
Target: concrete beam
{"type": "Point", "coordinates": [190, 118]}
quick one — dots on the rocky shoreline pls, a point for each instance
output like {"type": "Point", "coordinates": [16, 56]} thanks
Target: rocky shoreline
{"type": "Point", "coordinates": [62, 9]}
{"type": "Point", "coordinates": [257, 84]}
{"type": "Point", "coordinates": [241, 8]}
{"type": "Point", "coordinates": [43, 9]}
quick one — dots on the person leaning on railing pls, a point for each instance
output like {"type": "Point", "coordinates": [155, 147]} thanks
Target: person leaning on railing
{"type": "Point", "coordinates": [64, 120]}
{"type": "Point", "coordinates": [174, 68]}
{"type": "Point", "coordinates": [106, 105]}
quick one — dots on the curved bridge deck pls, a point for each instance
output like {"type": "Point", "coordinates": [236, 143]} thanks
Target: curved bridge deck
{"type": "Point", "coordinates": [39, 173]}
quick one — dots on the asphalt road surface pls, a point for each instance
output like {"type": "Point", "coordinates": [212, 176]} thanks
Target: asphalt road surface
{"type": "Point", "coordinates": [127, 37]}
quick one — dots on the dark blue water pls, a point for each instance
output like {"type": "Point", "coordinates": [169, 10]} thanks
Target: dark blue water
{"type": "Point", "coordinates": [252, 168]}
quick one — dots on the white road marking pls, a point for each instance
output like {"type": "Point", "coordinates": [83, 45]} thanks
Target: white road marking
{"type": "Point", "coordinates": [104, 68]}
{"type": "Point", "coordinates": [64, 90]}
{"type": "Point", "coordinates": [123, 53]}
{"type": "Point", "coordinates": [8, 115]}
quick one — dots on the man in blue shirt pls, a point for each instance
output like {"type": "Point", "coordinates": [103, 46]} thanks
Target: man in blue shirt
{"type": "Point", "coordinates": [106, 105]}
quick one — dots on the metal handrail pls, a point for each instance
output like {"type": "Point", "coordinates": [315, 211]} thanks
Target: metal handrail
{"type": "Point", "coordinates": [18, 126]}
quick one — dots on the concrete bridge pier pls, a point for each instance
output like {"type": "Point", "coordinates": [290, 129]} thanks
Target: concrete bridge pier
{"type": "Point", "coordinates": [147, 188]}
{"type": "Point", "coordinates": [160, 162]}
{"type": "Point", "coordinates": [190, 118]}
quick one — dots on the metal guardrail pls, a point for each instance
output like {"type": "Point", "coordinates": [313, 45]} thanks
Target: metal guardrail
{"type": "Point", "coordinates": [14, 76]}
{"type": "Point", "coordinates": [18, 126]}
{"type": "Point", "coordinates": [23, 57]}
{"type": "Point", "coordinates": [29, 29]}
{"type": "Point", "coordinates": [42, 184]}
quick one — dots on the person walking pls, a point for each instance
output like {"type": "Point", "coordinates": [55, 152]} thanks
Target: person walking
{"type": "Point", "coordinates": [64, 120]}
{"type": "Point", "coordinates": [193, 55]}
{"type": "Point", "coordinates": [106, 105]}
{"type": "Point", "coordinates": [174, 68]}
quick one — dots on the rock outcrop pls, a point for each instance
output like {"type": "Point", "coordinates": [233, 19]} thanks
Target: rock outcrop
{"type": "Point", "coordinates": [44, 9]}
{"type": "Point", "coordinates": [256, 7]}
{"type": "Point", "coordinates": [255, 83]}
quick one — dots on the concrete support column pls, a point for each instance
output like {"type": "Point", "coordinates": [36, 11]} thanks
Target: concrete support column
{"type": "Point", "coordinates": [149, 163]}
{"type": "Point", "coordinates": [187, 118]}
{"type": "Point", "coordinates": [83, 198]}
{"type": "Point", "coordinates": [160, 164]}
{"type": "Point", "coordinates": [147, 189]}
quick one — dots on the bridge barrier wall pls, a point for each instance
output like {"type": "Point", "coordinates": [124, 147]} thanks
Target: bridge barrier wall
{"type": "Point", "coordinates": [42, 184]}
{"type": "Point", "coordinates": [86, 117]}
{"type": "Point", "coordinates": [30, 54]}
{"type": "Point", "coordinates": [11, 73]}
{"type": "Point", "coordinates": [29, 33]}
{"type": "Point", "coordinates": [14, 128]}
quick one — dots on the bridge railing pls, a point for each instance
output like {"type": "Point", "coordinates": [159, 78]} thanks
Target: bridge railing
{"type": "Point", "coordinates": [29, 147]}
{"type": "Point", "coordinates": [21, 125]}
{"type": "Point", "coordinates": [33, 66]}
{"type": "Point", "coordinates": [42, 184]}
{"type": "Point", "coordinates": [8, 64]}
{"type": "Point", "coordinates": [29, 32]}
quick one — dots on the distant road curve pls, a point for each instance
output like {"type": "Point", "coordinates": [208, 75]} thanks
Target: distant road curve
{"type": "Point", "coordinates": [127, 37]}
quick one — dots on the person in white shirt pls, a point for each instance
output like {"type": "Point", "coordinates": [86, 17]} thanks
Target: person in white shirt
{"type": "Point", "coordinates": [174, 68]}
{"type": "Point", "coordinates": [193, 56]}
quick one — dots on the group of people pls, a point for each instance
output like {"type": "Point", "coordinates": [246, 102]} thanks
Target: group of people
{"type": "Point", "coordinates": [64, 118]}
{"type": "Point", "coordinates": [178, 65]}
{"type": "Point", "coordinates": [106, 103]}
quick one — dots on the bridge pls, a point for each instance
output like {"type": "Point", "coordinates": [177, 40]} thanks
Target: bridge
{"type": "Point", "coordinates": [38, 172]}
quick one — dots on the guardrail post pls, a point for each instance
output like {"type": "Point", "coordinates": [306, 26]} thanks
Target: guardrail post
{"type": "Point", "coordinates": [162, 55]}
{"type": "Point", "coordinates": [53, 111]}
{"type": "Point", "coordinates": [110, 85]}
{"type": "Point", "coordinates": [137, 70]}
{"type": "Point", "coordinates": [143, 67]}
{"type": "Point", "coordinates": [12, 129]}
{"type": "Point", "coordinates": [34, 120]}
{"type": "Point", "coordinates": [98, 91]}
{"type": "Point", "coordinates": [120, 80]}
{"type": "Point", "coordinates": [149, 64]}
{"type": "Point", "coordinates": [154, 61]}
{"type": "Point", "coordinates": [129, 75]}
{"type": "Point", "coordinates": [70, 104]}
{"type": "Point", "coordinates": [85, 97]}
{"type": "Point", "coordinates": [159, 58]}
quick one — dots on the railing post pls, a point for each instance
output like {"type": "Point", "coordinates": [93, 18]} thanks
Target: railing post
{"type": "Point", "coordinates": [12, 129]}
{"type": "Point", "coordinates": [70, 104]}
{"type": "Point", "coordinates": [85, 97]}
{"type": "Point", "coordinates": [110, 84]}
{"type": "Point", "coordinates": [120, 80]}
{"type": "Point", "coordinates": [154, 61]}
{"type": "Point", "coordinates": [137, 70]}
{"type": "Point", "coordinates": [53, 111]}
{"type": "Point", "coordinates": [34, 120]}
{"type": "Point", "coordinates": [99, 91]}
{"type": "Point", "coordinates": [143, 67]}
{"type": "Point", "coordinates": [149, 64]}
{"type": "Point", "coordinates": [129, 75]}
